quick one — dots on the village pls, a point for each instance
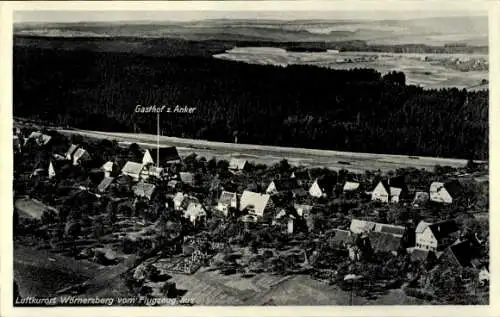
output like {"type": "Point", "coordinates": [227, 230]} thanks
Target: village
{"type": "Point", "coordinates": [192, 227]}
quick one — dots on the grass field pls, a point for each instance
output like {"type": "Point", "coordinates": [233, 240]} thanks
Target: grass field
{"type": "Point", "coordinates": [418, 71]}
{"type": "Point", "coordinates": [356, 162]}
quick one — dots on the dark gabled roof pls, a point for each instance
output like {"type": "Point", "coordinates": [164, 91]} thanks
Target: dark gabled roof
{"type": "Point", "coordinates": [167, 154]}
{"type": "Point", "coordinates": [397, 181]}
{"type": "Point", "coordinates": [464, 252]}
{"type": "Point", "coordinates": [454, 188]}
{"type": "Point", "coordinates": [286, 184]}
{"type": "Point", "coordinates": [326, 184]}
{"type": "Point", "coordinates": [302, 174]}
{"type": "Point", "coordinates": [124, 180]}
{"type": "Point", "coordinates": [443, 229]}
{"type": "Point", "coordinates": [384, 242]}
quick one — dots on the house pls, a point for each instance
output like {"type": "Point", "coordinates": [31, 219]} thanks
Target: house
{"type": "Point", "coordinates": [390, 190]}
{"type": "Point", "coordinates": [322, 187]}
{"type": "Point", "coordinates": [303, 177]}
{"type": "Point", "coordinates": [227, 200]}
{"type": "Point", "coordinates": [104, 184]}
{"type": "Point", "coordinates": [445, 192]}
{"type": "Point", "coordinates": [39, 138]}
{"type": "Point", "coordinates": [397, 231]}
{"type": "Point", "coordinates": [72, 149]}
{"type": "Point", "coordinates": [420, 198]}
{"type": "Point", "coordinates": [125, 180]}
{"type": "Point", "coordinates": [255, 203]}
{"type": "Point", "coordinates": [166, 156]}
{"type": "Point", "coordinates": [81, 156]}
{"type": "Point", "coordinates": [285, 185]}
{"type": "Point", "coordinates": [237, 164]}
{"type": "Point", "coordinates": [385, 242]}
{"type": "Point", "coordinates": [436, 236]}
{"type": "Point", "coordinates": [303, 210]}
{"type": "Point", "coordinates": [187, 178]}
{"type": "Point", "coordinates": [361, 226]}
{"type": "Point", "coordinates": [178, 199]}
{"type": "Point", "coordinates": [350, 186]}
{"type": "Point", "coordinates": [341, 239]}
{"type": "Point", "coordinates": [461, 253]}
{"type": "Point", "coordinates": [110, 169]}
{"type": "Point", "coordinates": [133, 170]}
{"type": "Point", "coordinates": [152, 171]}
{"type": "Point", "coordinates": [43, 165]}
{"type": "Point", "coordinates": [51, 170]}
{"type": "Point", "coordinates": [195, 213]}
{"type": "Point", "coordinates": [145, 190]}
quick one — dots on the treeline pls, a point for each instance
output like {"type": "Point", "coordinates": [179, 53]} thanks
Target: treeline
{"type": "Point", "coordinates": [301, 106]}
{"type": "Point", "coordinates": [180, 47]}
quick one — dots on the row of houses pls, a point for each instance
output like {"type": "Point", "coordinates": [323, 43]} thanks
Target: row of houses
{"type": "Point", "coordinates": [441, 240]}
{"type": "Point", "coordinates": [391, 190]}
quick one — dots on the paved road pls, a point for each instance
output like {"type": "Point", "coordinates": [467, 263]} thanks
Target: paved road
{"type": "Point", "coordinates": [356, 162]}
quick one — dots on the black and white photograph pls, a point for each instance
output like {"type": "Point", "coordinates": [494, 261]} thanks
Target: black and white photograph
{"type": "Point", "coordinates": [250, 158]}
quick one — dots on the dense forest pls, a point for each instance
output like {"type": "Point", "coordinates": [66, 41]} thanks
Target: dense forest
{"type": "Point", "coordinates": [303, 106]}
{"type": "Point", "coordinates": [180, 47]}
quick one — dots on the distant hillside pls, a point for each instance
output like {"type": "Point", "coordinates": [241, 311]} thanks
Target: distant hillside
{"type": "Point", "coordinates": [430, 31]}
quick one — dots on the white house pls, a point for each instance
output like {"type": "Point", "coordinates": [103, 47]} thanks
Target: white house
{"type": "Point", "coordinates": [321, 187]}
{"type": "Point", "coordinates": [436, 236]}
{"type": "Point", "coordinates": [152, 171]}
{"type": "Point", "coordinates": [256, 203]}
{"type": "Point", "coordinates": [389, 190]}
{"type": "Point", "coordinates": [350, 186]}
{"type": "Point", "coordinates": [445, 192]}
{"type": "Point", "coordinates": [227, 200]}
{"type": "Point", "coordinates": [195, 213]}
{"type": "Point", "coordinates": [80, 156]}
{"type": "Point", "coordinates": [51, 170]}
{"type": "Point", "coordinates": [361, 226]}
{"type": "Point", "coordinates": [166, 155]}
{"type": "Point", "coordinates": [133, 169]}
{"type": "Point", "coordinates": [147, 158]}
{"type": "Point", "coordinates": [72, 149]}
{"type": "Point", "coordinates": [178, 199]}
{"type": "Point", "coordinates": [285, 185]}
{"type": "Point", "coordinates": [40, 138]}
{"type": "Point", "coordinates": [109, 169]}
{"type": "Point", "coordinates": [237, 164]}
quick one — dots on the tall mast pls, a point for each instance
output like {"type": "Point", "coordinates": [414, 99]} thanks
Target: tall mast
{"type": "Point", "coordinates": [157, 139]}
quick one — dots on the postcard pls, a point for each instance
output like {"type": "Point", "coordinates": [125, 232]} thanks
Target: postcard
{"type": "Point", "coordinates": [248, 158]}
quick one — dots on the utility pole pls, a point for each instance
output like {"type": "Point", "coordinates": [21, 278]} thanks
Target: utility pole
{"type": "Point", "coordinates": [158, 139]}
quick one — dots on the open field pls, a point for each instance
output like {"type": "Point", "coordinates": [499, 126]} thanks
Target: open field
{"type": "Point", "coordinates": [356, 162]}
{"type": "Point", "coordinates": [419, 71]}
{"type": "Point", "coordinates": [41, 273]}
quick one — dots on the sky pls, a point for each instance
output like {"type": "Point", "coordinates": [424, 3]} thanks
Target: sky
{"type": "Point", "coordinates": [333, 10]}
